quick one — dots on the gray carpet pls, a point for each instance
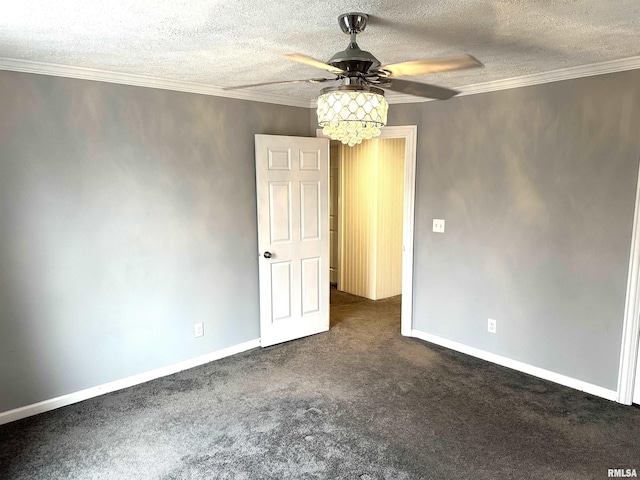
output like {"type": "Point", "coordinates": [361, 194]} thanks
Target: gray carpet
{"type": "Point", "coordinates": [359, 402]}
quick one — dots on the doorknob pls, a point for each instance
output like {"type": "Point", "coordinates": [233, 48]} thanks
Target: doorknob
{"type": "Point", "coordinates": [267, 255]}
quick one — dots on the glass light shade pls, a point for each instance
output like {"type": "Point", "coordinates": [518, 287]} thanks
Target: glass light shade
{"type": "Point", "coordinates": [352, 115]}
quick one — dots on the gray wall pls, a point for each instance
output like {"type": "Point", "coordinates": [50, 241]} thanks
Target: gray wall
{"type": "Point", "coordinates": [126, 215]}
{"type": "Point", "coordinates": [537, 187]}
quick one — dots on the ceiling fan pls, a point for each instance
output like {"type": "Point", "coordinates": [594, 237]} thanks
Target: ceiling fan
{"type": "Point", "coordinates": [357, 69]}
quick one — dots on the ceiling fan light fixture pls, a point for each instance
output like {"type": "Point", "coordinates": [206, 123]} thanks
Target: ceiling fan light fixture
{"type": "Point", "coordinates": [357, 109]}
{"type": "Point", "coordinates": [352, 113]}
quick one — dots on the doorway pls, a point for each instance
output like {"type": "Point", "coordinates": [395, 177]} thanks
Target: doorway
{"type": "Point", "coordinates": [408, 134]}
{"type": "Point", "coordinates": [370, 218]}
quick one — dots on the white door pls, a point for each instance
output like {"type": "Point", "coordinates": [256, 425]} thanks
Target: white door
{"type": "Point", "coordinates": [292, 183]}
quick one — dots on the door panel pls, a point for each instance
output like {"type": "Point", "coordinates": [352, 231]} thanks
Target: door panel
{"type": "Point", "coordinates": [279, 159]}
{"type": "Point", "coordinates": [309, 160]}
{"type": "Point", "coordinates": [311, 211]}
{"type": "Point", "coordinates": [280, 212]}
{"type": "Point", "coordinates": [281, 292]}
{"type": "Point", "coordinates": [311, 293]}
{"type": "Point", "coordinates": [292, 184]}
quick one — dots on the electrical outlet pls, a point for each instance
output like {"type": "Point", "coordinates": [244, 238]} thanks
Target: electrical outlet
{"type": "Point", "coordinates": [438, 225]}
{"type": "Point", "coordinates": [198, 329]}
{"type": "Point", "coordinates": [491, 325]}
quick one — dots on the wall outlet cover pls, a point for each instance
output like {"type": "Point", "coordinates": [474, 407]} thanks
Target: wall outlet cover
{"type": "Point", "coordinates": [198, 329]}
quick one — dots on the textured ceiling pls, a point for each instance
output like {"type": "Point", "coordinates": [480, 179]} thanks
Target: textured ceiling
{"type": "Point", "coordinates": [222, 43]}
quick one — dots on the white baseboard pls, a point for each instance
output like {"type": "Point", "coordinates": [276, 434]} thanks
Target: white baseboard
{"type": "Point", "coordinates": [52, 404]}
{"type": "Point", "coordinates": [520, 366]}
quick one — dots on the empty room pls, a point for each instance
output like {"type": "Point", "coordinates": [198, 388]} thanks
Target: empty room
{"type": "Point", "coordinates": [338, 240]}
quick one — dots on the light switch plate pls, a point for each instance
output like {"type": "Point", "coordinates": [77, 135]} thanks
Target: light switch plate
{"type": "Point", "coordinates": [438, 225]}
{"type": "Point", "coordinates": [491, 325]}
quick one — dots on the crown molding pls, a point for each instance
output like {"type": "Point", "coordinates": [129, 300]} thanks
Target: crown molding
{"type": "Point", "coordinates": [28, 66]}
{"type": "Point", "coordinates": [568, 73]}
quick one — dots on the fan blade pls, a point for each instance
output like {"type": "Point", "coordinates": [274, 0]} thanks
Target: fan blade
{"type": "Point", "coordinates": [297, 57]}
{"type": "Point", "coordinates": [309, 80]}
{"type": "Point", "coordinates": [433, 65]}
{"type": "Point", "coordinates": [420, 89]}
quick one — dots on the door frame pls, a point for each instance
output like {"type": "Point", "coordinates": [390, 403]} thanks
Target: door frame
{"type": "Point", "coordinates": [631, 325]}
{"type": "Point", "coordinates": [410, 135]}
{"type": "Point", "coordinates": [338, 214]}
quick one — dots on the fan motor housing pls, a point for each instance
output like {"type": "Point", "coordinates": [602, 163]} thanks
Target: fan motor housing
{"type": "Point", "coordinates": [354, 60]}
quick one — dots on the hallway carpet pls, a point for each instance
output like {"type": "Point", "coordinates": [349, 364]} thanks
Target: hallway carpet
{"type": "Point", "coordinates": [358, 402]}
